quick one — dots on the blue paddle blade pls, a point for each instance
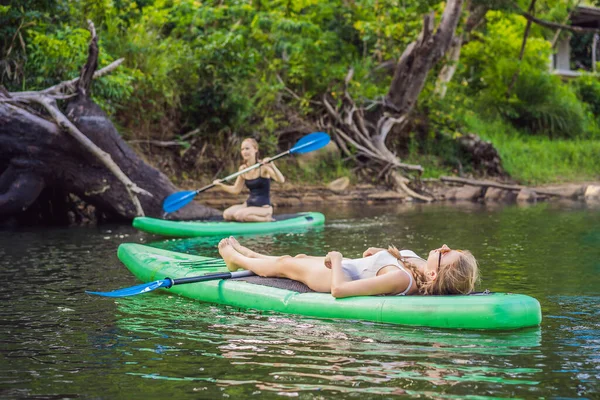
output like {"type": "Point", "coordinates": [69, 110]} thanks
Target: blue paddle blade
{"type": "Point", "coordinates": [177, 200]}
{"type": "Point", "coordinates": [133, 290]}
{"type": "Point", "coordinates": [312, 142]}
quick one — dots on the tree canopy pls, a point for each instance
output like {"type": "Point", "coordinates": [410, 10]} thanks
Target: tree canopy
{"type": "Point", "coordinates": [224, 69]}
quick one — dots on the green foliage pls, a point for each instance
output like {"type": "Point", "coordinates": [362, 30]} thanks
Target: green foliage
{"type": "Point", "coordinates": [587, 87]}
{"type": "Point", "coordinates": [253, 68]}
{"type": "Point", "coordinates": [321, 169]}
{"type": "Point", "coordinates": [16, 19]}
{"type": "Point", "coordinates": [52, 57]}
{"type": "Point", "coordinates": [537, 101]}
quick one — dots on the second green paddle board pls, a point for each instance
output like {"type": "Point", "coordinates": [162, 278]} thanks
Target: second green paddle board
{"type": "Point", "coordinates": [223, 228]}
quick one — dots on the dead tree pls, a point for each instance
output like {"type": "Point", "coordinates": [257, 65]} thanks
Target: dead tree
{"type": "Point", "coordinates": [476, 14]}
{"type": "Point", "coordinates": [78, 151]}
{"type": "Point", "coordinates": [354, 127]}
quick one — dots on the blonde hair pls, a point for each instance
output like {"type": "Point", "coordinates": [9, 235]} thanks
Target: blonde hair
{"type": "Point", "coordinates": [457, 278]}
{"type": "Point", "coordinates": [255, 145]}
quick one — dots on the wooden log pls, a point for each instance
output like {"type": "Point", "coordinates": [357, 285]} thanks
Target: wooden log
{"type": "Point", "coordinates": [473, 182]}
{"type": "Point", "coordinates": [78, 153]}
{"type": "Point", "coordinates": [33, 144]}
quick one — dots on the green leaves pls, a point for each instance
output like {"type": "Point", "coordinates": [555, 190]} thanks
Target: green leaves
{"type": "Point", "coordinates": [540, 103]}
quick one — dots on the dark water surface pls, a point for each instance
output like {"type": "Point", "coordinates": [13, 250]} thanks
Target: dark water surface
{"type": "Point", "coordinates": [58, 342]}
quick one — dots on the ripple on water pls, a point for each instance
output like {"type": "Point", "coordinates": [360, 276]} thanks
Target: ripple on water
{"type": "Point", "coordinates": [296, 355]}
{"type": "Point", "coordinates": [58, 342]}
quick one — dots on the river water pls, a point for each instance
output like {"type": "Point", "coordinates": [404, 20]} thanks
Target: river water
{"type": "Point", "coordinates": [58, 342]}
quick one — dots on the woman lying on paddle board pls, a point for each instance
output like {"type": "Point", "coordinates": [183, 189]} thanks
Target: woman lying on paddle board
{"type": "Point", "coordinates": [258, 206]}
{"type": "Point", "coordinates": [380, 271]}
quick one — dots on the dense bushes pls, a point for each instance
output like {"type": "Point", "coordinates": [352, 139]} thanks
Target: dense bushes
{"type": "Point", "coordinates": [538, 102]}
{"type": "Point", "coordinates": [239, 68]}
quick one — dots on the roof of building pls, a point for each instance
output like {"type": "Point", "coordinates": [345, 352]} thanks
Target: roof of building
{"type": "Point", "coordinates": [586, 16]}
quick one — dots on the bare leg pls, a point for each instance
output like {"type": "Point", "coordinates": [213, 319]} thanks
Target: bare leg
{"type": "Point", "coordinates": [253, 254]}
{"type": "Point", "coordinates": [254, 214]}
{"type": "Point", "coordinates": [229, 213]}
{"type": "Point", "coordinates": [309, 271]}
{"type": "Point", "coordinates": [244, 250]}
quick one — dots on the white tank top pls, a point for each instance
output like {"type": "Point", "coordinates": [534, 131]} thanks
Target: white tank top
{"type": "Point", "coordinates": [368, 267]}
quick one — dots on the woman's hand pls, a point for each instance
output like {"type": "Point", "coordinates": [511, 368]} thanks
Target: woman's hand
{"type": "Point", "coordinates": [218, 182]}
{"type": "Point", "coordinates": [372, 250]}
{"type": "Point", "coordinates": [332, 257]}
{"type": "Point", "coordinates": [265, 161]}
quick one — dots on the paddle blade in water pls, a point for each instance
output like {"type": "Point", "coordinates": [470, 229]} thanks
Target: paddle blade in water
{"type": "Point", "coordinates": [177, 200]}
{"type": "Point", "coordinates": [312, 142]}
{"type": "Point", "coordinates": [133, 290]}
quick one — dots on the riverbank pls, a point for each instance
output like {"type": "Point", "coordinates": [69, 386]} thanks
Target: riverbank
{"type": "Point", "coordinates": [292, 194]}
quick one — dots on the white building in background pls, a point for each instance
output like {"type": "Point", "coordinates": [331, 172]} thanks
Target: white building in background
{"type": "Point", "coordinates": [585, 17]}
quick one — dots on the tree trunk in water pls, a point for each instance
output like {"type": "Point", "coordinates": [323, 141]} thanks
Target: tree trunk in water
{"type": "Point", "coordinates": [83, 155]}
{"type": "Point", "coordinates": [36, 154]}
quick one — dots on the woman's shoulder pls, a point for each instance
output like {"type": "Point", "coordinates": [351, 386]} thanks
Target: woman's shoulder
{"type": "Point", "coordinates": [266, 171]}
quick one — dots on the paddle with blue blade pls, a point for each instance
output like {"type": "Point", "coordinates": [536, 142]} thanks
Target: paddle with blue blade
{"type": "Point", "coordinates": [308, 143]}
{"type": "Point", "coordinates": [168, 283]}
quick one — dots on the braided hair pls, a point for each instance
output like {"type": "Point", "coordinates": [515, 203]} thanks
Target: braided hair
{"type": "Point", "coordinates": [456, 278]}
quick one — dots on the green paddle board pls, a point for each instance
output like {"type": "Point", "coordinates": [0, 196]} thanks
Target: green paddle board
{"type": "Point", "coordinates": [497, 311]}
{"type": "Point", "coordinates": [222, 228]}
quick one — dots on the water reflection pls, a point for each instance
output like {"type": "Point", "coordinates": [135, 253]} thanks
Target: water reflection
{"type": "Point", "coordinates": [58, 342]}
{"type": "Point", "coordinates": [295, 355]}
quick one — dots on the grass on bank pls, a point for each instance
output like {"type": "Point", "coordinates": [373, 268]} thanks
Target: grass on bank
{"type": "Point", "coordinates": [535, 160]}
{"type": "Point", "coordinates": [316, 169]}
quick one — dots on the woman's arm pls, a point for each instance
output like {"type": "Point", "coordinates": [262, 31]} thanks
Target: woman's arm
{"type": "Point", "coordinates": [236, 188]}
{"type": "Point", "coordinates": [342, 286]}
{"type": "Point", "coordinates": [389, 283]}
{"type": "Point", "coordinates": [333, 261]}
{"type": "Point", "coordinates": [274, 172]}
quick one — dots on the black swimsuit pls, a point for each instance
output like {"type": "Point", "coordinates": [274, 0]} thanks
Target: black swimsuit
{"type": "Point", "coordinates": [259, 192]}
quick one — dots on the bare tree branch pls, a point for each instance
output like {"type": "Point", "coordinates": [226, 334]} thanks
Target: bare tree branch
{"type": "Point", "coordinates": [522, 52]}
{"type": "Point", "coordinates": [555, 25]}
{"type": "Point", "coordinates": [47, 98]}
{"type": "Point", "coordinates": [70, 86]}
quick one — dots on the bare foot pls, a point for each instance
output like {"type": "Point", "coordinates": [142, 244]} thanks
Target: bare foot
{"type": "Point", "coordinates": [242, 249]}
{"type": "Point", "coordinates": [229, 255]}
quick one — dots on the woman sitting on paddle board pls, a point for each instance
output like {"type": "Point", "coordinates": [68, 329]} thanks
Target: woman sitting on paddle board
{"type": "Point", "coordinates": [380, 271]}
{"type": "Point", "coordinates": [258, 206]}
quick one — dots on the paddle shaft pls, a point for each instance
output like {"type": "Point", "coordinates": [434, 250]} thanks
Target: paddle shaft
{"type": "Point", "coordinates": [210, 277]}
{"type": "Point", "coordinates": [278, 156]}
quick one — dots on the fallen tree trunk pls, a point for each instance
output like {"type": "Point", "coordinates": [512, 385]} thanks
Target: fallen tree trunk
{"type": "Point", "coordinates": [78, 153]}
